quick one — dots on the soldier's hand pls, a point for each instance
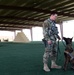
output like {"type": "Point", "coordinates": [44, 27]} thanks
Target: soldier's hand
{"type": "Point", "coordinates": [59, 38]}
{"type": "Point", "coordinates": [49, 42]}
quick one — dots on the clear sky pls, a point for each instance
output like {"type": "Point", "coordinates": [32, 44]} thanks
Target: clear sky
{"type": "Point", "coordinates": [68, 31]}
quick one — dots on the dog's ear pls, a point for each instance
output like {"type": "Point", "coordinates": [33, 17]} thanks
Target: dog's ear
{"type": "Point", "coordinates": [72, 38]}
{"type": "Point", "coordinates": [64, 38]}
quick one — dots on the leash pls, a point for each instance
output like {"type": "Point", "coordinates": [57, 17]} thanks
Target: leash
{"type": "Point", "coordinates": [58, 48]}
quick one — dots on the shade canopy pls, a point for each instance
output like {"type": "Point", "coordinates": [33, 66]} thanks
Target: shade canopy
{"type": "Point", "coordinates": [20, 14]}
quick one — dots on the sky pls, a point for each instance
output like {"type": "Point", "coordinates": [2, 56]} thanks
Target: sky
{"type": "Point", "coordinates": [68, 31]}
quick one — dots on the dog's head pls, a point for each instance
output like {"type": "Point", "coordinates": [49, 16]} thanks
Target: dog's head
{"type": "Point", "coordinates": [68, 40]}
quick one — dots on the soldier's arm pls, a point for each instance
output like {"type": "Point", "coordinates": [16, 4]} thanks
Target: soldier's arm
{"type": "Point", "coordinates": [46, 31]}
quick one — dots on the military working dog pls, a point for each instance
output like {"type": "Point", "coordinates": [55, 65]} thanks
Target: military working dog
{"type": "Point", "coordinates": [68, 53]}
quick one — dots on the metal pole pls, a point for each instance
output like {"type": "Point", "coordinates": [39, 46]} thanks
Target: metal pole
{"type": "Point", "coordinates": [14, 34]}
{"type": "Point", "coordinates": [61, 29]}
{"type": "Point", "coordinates": [31, 34]}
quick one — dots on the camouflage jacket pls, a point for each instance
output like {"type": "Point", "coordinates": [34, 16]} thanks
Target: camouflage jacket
{"type": "Point", "coordinates": [49, 31]}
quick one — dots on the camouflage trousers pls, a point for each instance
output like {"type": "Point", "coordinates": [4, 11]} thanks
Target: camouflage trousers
{"type": "Point", "coordinates": [50, 52]}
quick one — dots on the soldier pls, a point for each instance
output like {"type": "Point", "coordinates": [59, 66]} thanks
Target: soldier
{"type": "Point", "coordinates": [50, 33]}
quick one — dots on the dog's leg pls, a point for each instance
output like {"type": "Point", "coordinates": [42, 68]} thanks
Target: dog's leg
{"type": "Point", "coordinates": [66, 61]}
{"type": "Point", "coordinates": [72, 63]}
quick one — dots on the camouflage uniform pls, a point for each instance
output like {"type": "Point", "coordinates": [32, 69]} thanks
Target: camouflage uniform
{"type": "Point", "coordinates": [49, 34]}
